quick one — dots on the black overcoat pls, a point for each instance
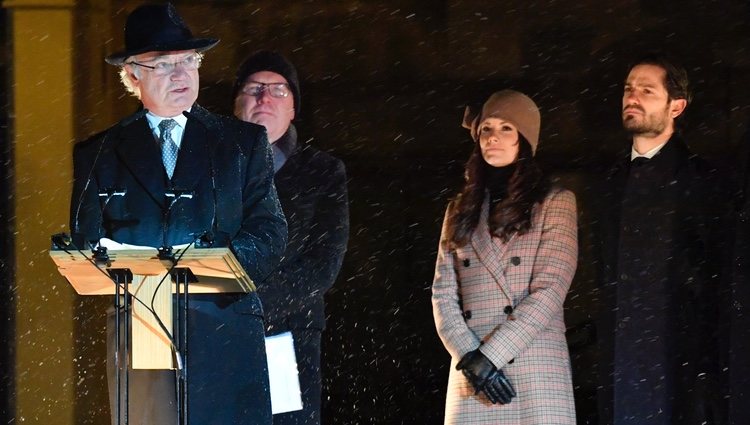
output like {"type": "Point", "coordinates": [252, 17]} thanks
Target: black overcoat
{"type": "Point", "coordinates": [312, 189]}
{"type": "Point", "coordinates": [226, 165]}
{"type": "Point", "coordinates": [663, 233]}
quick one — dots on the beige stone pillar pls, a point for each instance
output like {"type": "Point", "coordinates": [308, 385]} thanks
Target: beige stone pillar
{"type": "Point", "coordinates": [42, 135]}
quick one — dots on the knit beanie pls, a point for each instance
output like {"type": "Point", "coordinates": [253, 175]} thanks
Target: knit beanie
{"type": "Point", "coordinates": [511, 106]}
{"type": "Point", "coordinates": [266, 60]}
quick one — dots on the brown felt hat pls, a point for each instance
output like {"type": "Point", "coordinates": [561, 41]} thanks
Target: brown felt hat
{"type": "Point", "coordinates": [512, 106]}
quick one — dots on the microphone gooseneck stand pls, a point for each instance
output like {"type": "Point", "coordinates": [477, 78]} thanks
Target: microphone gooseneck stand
{"type": "Point", "coordinates": [182, 277]}
{"type": "Point", "coordinates": [122, 278]}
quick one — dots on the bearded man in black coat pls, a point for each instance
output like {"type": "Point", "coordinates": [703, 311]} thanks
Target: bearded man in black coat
{"type": "Point", "coordinates": [174, 146]}
{"type": "Point", "coordinates": [663, 234]}
{"type": "Point", "coordinates": [312, 190]}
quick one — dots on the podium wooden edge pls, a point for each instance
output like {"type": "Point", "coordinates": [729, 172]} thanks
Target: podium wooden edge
{"type": "Point", "coordinates": [217, 270]}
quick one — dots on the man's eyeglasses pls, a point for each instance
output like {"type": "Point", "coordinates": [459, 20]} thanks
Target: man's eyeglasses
{"type": "Point", "coordinates": [162, 68]}
{"type": "Point", "coordinates": [278, 90]}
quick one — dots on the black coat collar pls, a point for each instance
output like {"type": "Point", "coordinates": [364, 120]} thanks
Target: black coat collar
{"type": "Point", "coordinates": [139, 151]}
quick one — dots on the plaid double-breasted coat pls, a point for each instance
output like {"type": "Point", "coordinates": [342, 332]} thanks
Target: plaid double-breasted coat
{"type": "Point", "coordinates": [475, 288]}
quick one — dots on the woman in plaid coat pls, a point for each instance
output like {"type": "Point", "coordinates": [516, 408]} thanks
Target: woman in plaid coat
{"type": "Point", "coordinates": [507, 254]}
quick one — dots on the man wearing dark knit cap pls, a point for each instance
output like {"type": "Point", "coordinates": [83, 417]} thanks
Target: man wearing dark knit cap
{"type": "Point", "coordinates": [312, 189]}
{"type": "Point", "coordinates": [173, 145]}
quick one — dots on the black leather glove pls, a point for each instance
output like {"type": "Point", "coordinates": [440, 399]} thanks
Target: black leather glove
{"type": "Point", "coordinates": [499, 388]}
{"type": "Point", "coordinates": [485, 377]}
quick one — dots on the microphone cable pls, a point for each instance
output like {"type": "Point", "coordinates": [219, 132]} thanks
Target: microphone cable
{"type": "Point", "coordinates": [123, 123]}
{"type": "Point", "coordinates": [150, 308]}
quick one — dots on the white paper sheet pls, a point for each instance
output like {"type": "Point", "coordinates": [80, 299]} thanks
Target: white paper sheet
{"type": "Point", "coordinates": [115, 246]}
{"type": "Point", "coordinates": [282, 374]}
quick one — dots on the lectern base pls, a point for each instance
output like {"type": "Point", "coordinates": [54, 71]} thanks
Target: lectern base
{"type": "Point", "coordinates": [152, 391]}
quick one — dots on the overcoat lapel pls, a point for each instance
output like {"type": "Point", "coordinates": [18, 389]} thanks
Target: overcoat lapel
{"type": "Point", "coordinates": [287, 184]}
{"type": "Point", "coordinates": [617, 179]}
{"type": "Point", "coordinates": [139, 151]}
{"type": "Point", "coordinates": [289, 170]}
{"type": "Point", "coordinates": [489, 252]}
{"type": "Point", "coordinates": [194, 158]}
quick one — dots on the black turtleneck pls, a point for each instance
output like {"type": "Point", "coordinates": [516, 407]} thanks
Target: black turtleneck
{"type": "Point", "coordinates": [497, 179]}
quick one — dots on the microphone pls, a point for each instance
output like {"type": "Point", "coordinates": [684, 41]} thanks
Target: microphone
{"type": "Point", "coordinates": [165, 251]}
{"type": "Point", "coordinates": [100, 253]}
{"type": "Point", "coordinates": [209, 239]}
{"type": "Point", "coordinates": [179, 194]}
{"type": "Point", "coordinates": [116, 128]}
{"type": "Point", "coordinates": [110, 193]}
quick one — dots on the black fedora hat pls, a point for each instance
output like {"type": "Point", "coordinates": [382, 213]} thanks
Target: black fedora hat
{"type": "Point", "coordinates": [157, 28]}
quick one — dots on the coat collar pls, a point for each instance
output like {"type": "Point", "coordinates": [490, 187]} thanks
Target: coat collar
{"type": "Point", "coordinates": [668, 163]}
{"type": "Point", "coordinates": [292, 148]}
{"type": "Point", "coordinates": [671, 156]}
{"type": "Point", "coordinates": [490, 250]}
{"type": "Point", "coordinates": [288, 142]}
{"type": "Point", "coordinates": [139, 150]}
{"type": "Point", "coordinates": [284, 149]}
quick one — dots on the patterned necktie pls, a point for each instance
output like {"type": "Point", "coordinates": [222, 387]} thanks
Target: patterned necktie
{"type": "Point", "coordinates": [168, 146]}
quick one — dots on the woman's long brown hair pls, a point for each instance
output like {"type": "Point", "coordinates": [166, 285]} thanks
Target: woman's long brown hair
{"type": "Point", "coordinates": [527, 185]}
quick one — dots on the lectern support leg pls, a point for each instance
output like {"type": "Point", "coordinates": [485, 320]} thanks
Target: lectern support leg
{"type": "Point", "coordinates": [182, 278]}
{"type": "Point", "coordinates": [121, 277]}
{"type": "Point", "coordinates": [185, 344]}
{"type": "Point", "coordinates": [179, 325]}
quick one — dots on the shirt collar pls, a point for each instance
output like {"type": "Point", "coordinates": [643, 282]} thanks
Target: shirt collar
{"type": "Point", "coordinates": [177, 131]}
{"type": "Point", "coordinates": [154, 120]}
{"type": "Point", "coordinates": [648, 155]}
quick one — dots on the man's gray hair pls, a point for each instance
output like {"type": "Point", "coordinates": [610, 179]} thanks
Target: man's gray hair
{"type": "Point", "coordinates": [126, 71]}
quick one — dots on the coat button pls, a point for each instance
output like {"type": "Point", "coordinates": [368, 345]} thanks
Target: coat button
{"type": "Point", "coordinates": [467, 263]}
{"type": "Point", "coordinates": [515, 261]}
{"type": "Point", "coordinates": [467, 314]}
{"type": "Point", "coordinates": [509, 311]}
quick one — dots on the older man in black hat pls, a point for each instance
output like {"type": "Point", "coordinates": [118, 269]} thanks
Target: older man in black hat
{"type": "Point", "coordinates": [174, 146]}
{"type": "Point", "coordinates": [313, 195]}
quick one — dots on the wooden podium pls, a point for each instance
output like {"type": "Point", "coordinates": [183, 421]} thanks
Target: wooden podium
{"type": "Point", "coordinates": [216, 269]}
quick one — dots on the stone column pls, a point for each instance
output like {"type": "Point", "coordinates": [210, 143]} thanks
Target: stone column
{"type": "Point", "coordinates": [41, 134]}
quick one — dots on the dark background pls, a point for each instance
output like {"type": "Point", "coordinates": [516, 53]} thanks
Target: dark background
{"type": "Point", "coordinates": [384, 85]}
{"type": "Point", "coordinates": [6, 234]}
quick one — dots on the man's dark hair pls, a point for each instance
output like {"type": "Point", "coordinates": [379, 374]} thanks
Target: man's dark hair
{"type": "Point", "coordinates": [675, 78]}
